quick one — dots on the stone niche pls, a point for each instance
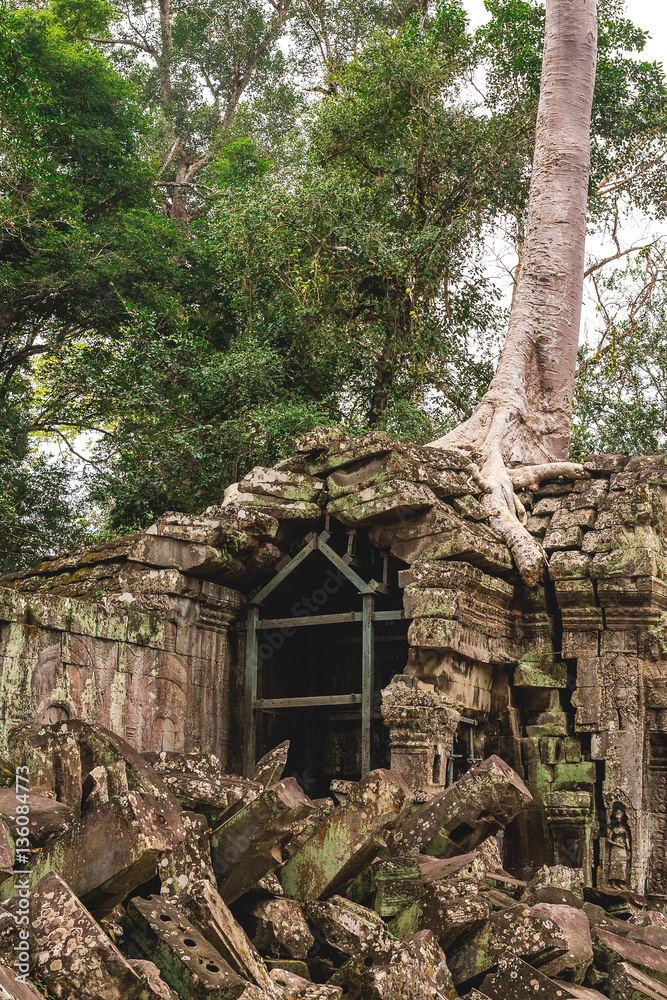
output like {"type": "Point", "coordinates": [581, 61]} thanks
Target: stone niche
{"type": "Point", "coordinates": [566, 681]}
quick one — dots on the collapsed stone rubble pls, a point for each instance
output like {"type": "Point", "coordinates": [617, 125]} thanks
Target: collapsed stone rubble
{"type": "Point", "coordinates": [261, 895]}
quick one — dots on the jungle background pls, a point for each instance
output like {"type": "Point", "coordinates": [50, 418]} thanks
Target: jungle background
{"type": "Point", "coordinates": [223, 224]}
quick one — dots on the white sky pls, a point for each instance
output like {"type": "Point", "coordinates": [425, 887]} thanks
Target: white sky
{"type": "Point", "coordinates": [650, 15]}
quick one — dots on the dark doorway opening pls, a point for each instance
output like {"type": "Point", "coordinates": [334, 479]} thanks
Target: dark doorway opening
{"type": "Point", "coordinates": [329, 634]}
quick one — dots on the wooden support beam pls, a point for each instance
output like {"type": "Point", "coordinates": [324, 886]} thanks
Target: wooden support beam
{"type": "Point", "coordinates": [316, 701]}
{"type": "Point", "coordinates": [367, 681]}
{"type": "Point", "coordinates": [339, 619]}
{"type": "Point", "coordinates": [251, 662]}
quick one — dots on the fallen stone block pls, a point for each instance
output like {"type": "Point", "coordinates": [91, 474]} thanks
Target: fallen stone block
{"type": "Point", "coordinates": [295, 988]}
{"type": "Point", "coordinates": [451, 918]}
{"type": "Point", "coordinates": [200, 786]}
{"type": "Point", "coordinates": [281, 928]}
{"type": "Point", "coordinates": [7, 849]}
{"type": "Point", "coordinates": [479, 804]}
{"type": "Point", "coordinates": [187, 962]}
{"type": "Point", "coordinates": [574, 926]}
{"type": "Point", "coordinates": [628, 983]}
{"type": "Point", "coordinates": [189, 861]}
{"type": "Point", "coordinates": [426, 950]}
{"type": "Point", "coordinates": [348, 839]}
{"type": "Point", "coordinates": [516, 931]}
{"type": "Point", "coordinates": [53, 761]}
{"type": "Point", "coordinates": [202, 904]}
{"type": "Point", "coordinates": [141, 830]}
{"type": "Point", "coordinates": [575, 992]}
{"type": "Point", "coordinates": [247, 846]}
{"type": "Point", "coordinates": [10, 989]}
{"type": "Point", "coordinates": [47, 817]}
{"type": "Point", "coordinates": [609, 949]}
{"type": "Point", "coordinates": [652, 935]}
{"type": "Point", "coordinates": [398, 883]}
{"type": "Point", "coordinates": [648, 918]}
{"type": "Point", "coordinates": [515, 980]}
{"type": "Point", "coordinates": [407, 975]}
{"type": "Point", "coordinates": [61, 756]}
{"type": "Point", "coordinates": [8, 935]}
{"type": "Point", "coordinates": [270, 768]}
{"type": "Point", "coordinates": [156, 986]}
{"type": "Point", "coordinates": [201, 795]}
{"type": "Point", "coordinates": [349, 928]}
{"type": "Point", "coordinates": [323, 808]}
{"type": "Point", "coordinates": [282, 485]}
{"type": "Point", "coordinates": [73, 955]}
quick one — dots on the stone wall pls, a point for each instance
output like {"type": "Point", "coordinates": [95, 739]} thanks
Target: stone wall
{"type": "Point", "coordinates": [148, 654]}
{"type": "Point", "coordinates": [566, 681]}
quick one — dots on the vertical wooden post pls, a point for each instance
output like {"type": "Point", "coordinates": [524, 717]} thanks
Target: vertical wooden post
{"type": "Point", "coordinates": [367, 680]}
{"type": "Point", "coordinates": [251, 662]}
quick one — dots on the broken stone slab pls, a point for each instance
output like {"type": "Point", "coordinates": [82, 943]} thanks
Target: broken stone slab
{"type": "Point", "coordinates": [348, 839]}
{"type": "Point", "coordinates": [349, 928]}
{"type": "Point", "coordinates": [47, 816]}
{"type": "Point", "coordinates": [424, 947]}
{"type": "Point", "coordinates": [140, 828]}
{"type": "Point", "coordinates": [168, 552]}
{"type": "Point", "coordinates": [451, 918]}
{"type": "Point", "coordinates": [579, 992]}
{"type": "Point", "coordinates": [202, 765]}
{"type": "Point", "coordinates": [11, 989]}
{"type": "Point", "coordinates": [479, 804]}
{"type": "Point", "coordinates": [514, 931]}
{"type": "Point", "coordinates": [281, 928]}
{"type": "Point", "coordinates": [323, 808]}
{"type": "Point", "coordinates": [247, 846]}
{"type": "Point", "coordinates": [73, 955]}
{"type": "Point", "coordinates": [629, 983]}
{"type": "Point", "coordinates": [610, 949]}
{"type": "Point", "coordinates": [408, 975]}
{"type": "Point", "coordinates": [190, 861]}
{"type": "Point", "coordinates": [399, 464]}
{"type": "Point", "coordinates": [270, 768]}
{"type": "Point", "coordinates": [187, 962]}
{"type": "Point", "coordinates": [242, 505]}
{"type": "Point", "coordinates": [296, 988]}
{"type": "Point", "coordinates": [654, 936]}
{"type": "Point", "coordinates": [282, 485]}
{"type": "Point", "coordinates": [202, 795]}
{"type": "Point", "coordinates": [63, 755]}
{"type": "Point", "coordinates": [516, 980]}
{"type": "Point", "coordinates": [398, 883]}
{"type": "Point", "coordinates": [648, 918]}
{"type": "Point", "coordinates": [7, 850]}
{"type": "Point", "coordinates": [203, 906]}
{"type": "Point", "coordinates": [53, 761]}
{"type": "Point", "coordinates": [575, 928]}
{"type": "Point", "coordinates": [397, 497]}
{"type": "Point", "coordinates": [156, 988]}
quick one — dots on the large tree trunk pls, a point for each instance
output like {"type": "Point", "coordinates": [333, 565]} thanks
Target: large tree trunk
{"type": "Point", "coordinates": [524, 417]}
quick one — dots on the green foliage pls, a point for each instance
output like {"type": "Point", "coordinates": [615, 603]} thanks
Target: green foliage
{"type": "Point", "coordinates": [621, 392]}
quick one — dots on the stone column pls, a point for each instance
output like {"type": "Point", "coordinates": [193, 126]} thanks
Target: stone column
{"type": "Point", "coordinates": [421, 723]}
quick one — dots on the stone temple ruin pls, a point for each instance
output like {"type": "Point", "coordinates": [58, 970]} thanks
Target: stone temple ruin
{"type": "Point", "coordinates": [353, 604]}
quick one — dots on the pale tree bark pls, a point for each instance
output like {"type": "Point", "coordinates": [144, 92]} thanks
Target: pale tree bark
{"type": "Point", "coordinates": [524, 417]}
